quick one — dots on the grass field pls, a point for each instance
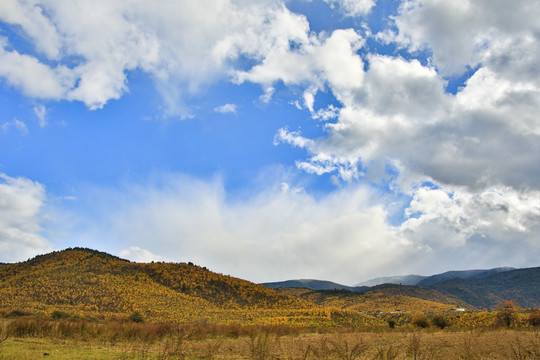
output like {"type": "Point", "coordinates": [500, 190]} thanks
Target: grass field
{"type": "Point", "coordinates": [151, 341]}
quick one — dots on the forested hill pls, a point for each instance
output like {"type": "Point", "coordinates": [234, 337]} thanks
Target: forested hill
{"type": "Point", "coordinates": [521, 285]}
{"type": "Point", "coordinates": [86, 281]}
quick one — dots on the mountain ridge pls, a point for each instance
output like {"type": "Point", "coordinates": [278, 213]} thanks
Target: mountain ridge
{"type": "Point", "coordinates": [474, 289]}
{"type": "Point", "coordinates": [312, 284]}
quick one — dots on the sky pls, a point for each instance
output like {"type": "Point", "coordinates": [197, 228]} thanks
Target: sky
{"type": "Point", "coordinates": [337, 140]}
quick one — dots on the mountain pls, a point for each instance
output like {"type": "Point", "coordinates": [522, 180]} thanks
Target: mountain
{"type": "Point", "coordinates": [520, 285]}
{"type": "Point", "coordinates": [467, 274]}
{"type": "Point", "coordinates": [86, 282]}
{"type": "Point", "coordinates": [312, 284]}
{"type": "Point", "coordinates": [403, 280]}
{"type": "Point", "coordinates": [433, 279]}
{"type": "Point", "coordinates": [470, 289]}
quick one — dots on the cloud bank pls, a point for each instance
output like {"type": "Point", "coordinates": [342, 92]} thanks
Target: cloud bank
{"type": "Point", "coordinates": [21, 203]}
{"type": "Point", "coordinates": [282, 232]}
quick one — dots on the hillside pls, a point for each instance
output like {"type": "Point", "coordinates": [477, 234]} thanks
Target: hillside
{"type": "Point", "coordinates": [384, 298]}
{"type": "Point", "coordinates": [521, 286]}
{"type": "Point", "coordinates": [91, 283]}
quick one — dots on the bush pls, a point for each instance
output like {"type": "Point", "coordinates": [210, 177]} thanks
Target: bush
{"type": "Point", "coordinates": [507, 313]}
{"type": "Point", "coordinates": [534, 318]}
{"type": "Point", "coordinates": [391, 323]}
{"type": "Point", "coordinates": [136, 317]}
{"type": "Point", "coordinates": [57, 315]}
{"type": "Point", "coordinates": [420, 320]}
{"type": "Point", "coordinates": [18, 313]}
{"type": "Point", "coordinates": [440, 321]}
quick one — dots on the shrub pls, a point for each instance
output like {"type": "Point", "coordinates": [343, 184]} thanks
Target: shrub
{"type": "Point", "coordinates": [391, 323]}
{"type": "Point", "coordinates": [136, 317]}
{"type": "Point", "coordinates": [507, 313]}
{"type": "Point", "coordinates": [30, 327]}
{"type": "Point", "coordinates": [420, 320]}
{"type": "Point", "coordinates": [57, 315]}
{"type": "Point", "coordinates": [440, 321]}
{"type": "Point", "coordinates": [18, 313]}
{"type": "Point", "coordinates": [534, 318]}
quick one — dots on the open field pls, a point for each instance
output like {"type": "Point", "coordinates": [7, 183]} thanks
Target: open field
{"type": "Point", "coordinates": [81, 340]}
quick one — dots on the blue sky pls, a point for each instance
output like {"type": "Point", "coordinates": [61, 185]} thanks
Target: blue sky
{"type": "Point", "coordinates": [269, 140]}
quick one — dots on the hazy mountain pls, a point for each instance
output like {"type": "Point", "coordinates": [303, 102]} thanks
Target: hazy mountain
{"type": "Point", "coordinates": [466, 274]}
{"type": "Point", "coordinates": [312, 284]}
{"type": "Point", "coordinates": [403, 280]}
{"type": "Point", "coordinates": [432, 279]}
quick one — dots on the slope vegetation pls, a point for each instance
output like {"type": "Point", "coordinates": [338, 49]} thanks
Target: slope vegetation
{"type": "Point", "coordinates": [383, 298]}
{"type": "Point", "coordinates": [521, 286]}
{"type": "Point", "coordinates": [91, 283]}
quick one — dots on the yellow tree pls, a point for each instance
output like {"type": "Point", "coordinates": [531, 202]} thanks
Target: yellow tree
{"type": "Point", "coordinates": [507, 313]}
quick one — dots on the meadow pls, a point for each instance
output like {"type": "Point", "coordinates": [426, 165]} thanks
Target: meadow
{"type": "Point", "coordinates": [31, 337]}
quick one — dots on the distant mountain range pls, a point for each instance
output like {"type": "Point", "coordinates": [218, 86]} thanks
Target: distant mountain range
{"type": "Point", "coordinates": [433, 279]}
{"type": "Point", "coordinates": [313, 285]}
{"type": "Point", "coordinates": [471, 288]}
{"type": "Point", "coordinates": [419, 280]}
{"type": "Point", "coordinates": [401, 280]}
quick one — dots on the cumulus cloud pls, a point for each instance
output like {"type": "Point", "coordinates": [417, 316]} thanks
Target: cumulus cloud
{"type": "Point", "coordinates": [396, 111]}
{"type": "Point", "coordinates": [183, 45]}
{"type": "Point", "coordinates": [491, 224]}
{"type": "Point", "coordinates": [467, 33]}
{"type": "Point", "coordinates": [397, 121]}
{"type": "Point", "coordinates": [316, 62]}
{"type": "Point", "coordinates": [21, 71]}
{"type": "Point", "coordinates": [21, 203]}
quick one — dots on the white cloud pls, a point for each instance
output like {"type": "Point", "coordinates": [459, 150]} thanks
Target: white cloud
{"type": "Point", "coordinates": [135, 253]}
{"type": "Point", "coordinates": [315, 63]}
{"type": "Point", "coordinates": [183, 45]}
{"type": "Point", "coordinates": [226, 109]}
{"type": "Point", "coordinates": [21, 126]}
{"type": "Point", "coordinates": [41, 114]}
{"type": "Point", "coordinates": [21, 203]}
{"type": "Point", "coordinates": [353, 7]}
{"type": "Point", "coordinates": [499, 223]}
{"type": "Point", "coordinates": [29, 15]}
{"type": "Point", "coordinates": [462, 33]}
{"type": "Point", "coordinates": [17, 124]}
{"type": "Point", "coordinates": [397, 112]}
{"type": "Point", "coordinates": [22, 72]}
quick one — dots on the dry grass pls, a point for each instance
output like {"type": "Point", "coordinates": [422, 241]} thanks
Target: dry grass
{"type": "Point", "coordinates": [32, 338]}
